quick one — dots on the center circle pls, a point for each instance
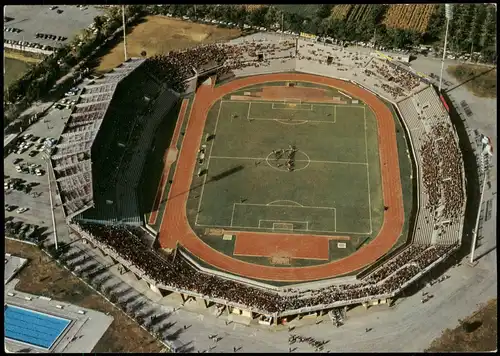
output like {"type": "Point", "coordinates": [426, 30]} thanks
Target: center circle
{"type": "Point", "coordinates": [278, 162]}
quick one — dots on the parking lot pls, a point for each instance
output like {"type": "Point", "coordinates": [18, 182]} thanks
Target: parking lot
{"type": "Point", "coordinates": [35, 199]}
{"type": "Point", "coordinates": [62, 20]}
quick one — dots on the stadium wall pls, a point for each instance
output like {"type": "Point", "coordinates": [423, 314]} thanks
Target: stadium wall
{"type": "Point", "coordinates": [415, 165]}
{"type": "Point", "coordinates": [275, 66]}
{"type": "Point", "coordinates": [323, 283]}
{"type": "Point", "coordinates": [191, 84]}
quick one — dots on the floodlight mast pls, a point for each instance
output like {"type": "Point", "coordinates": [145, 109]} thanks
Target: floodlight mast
{"type": "Point", "coordinates": [476, 228]}
{"type": "Point", "coordinates": [448, 9]}
{"type": "Point", "coordinates": [124, 33]}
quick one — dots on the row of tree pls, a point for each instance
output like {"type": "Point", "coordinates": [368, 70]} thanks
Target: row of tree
{"type": "Point", "coordinates": [474, 25]}
{"type": "Point", "coordinates": [473, 28]}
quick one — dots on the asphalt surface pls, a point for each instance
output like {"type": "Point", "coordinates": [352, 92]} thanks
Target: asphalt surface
{"type": "Point", "coordinates": [39, 18]}
{"type": "Point", "coordinates": [39, 212]}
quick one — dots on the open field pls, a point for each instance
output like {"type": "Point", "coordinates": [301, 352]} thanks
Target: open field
{"type": "Point", "coordinates": [13, 69]}
{"type": "Point", "coordinates": [409, 17]}
{"type": "Point", "coordinates": [477, 333]}
{"type": "Point", "coordinates": [302, 9]}
{"type": "Point", "coordinates": [480, 80]}
{"type": "Point", "coordinates": [26, 57]}
{"type": "Point", "coordinates": [42, 276]}
{"type": "Point", "coordinates": [160, 34]}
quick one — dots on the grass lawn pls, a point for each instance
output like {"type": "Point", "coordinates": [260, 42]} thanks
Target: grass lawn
{"type": "Point", "coordinates": [335, 188]}
{"type": "Point", "coordinates": [480, 80]}
{"type": "Point", "coordinates": [14, 69]}
{"type": "Point", "coordinates": [160, 35]}
{"type": "Point", "coordinates": [477, 333]}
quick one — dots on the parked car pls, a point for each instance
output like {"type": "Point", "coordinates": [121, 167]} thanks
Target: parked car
{"type": "Point", "coordinates": [21, 210]}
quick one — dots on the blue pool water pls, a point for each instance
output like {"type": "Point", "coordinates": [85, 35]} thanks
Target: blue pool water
{"type": "Point", "coordinates": [32, 327]}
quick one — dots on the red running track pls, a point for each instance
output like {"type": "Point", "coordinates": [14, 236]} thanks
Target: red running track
{"type": "Point", "coordinates": [168, 163]}
{"type": "Point", "coordinates": [175, 226]}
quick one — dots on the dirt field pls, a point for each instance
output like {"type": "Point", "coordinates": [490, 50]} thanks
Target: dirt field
{"type": "Point", "coordinates": [480, 80]}
{"type": "Point", "coordinates": [482, 335]}
{"type": "Point", "coordinates": [160, 34]}
{"type": "Point", "coordinates": [42, 276]}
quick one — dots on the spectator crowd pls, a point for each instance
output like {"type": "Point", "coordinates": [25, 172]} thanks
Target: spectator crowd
{"type": "Point", "coordinates": [451, 173]}
{"type": "Point", "coordinates": [442, 173]}
{"type": "Point", "coordinates": [177, 273]}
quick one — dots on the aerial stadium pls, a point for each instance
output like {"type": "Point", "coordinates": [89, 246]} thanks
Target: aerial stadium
{"type": "Point", "coordinates": [297, 178]}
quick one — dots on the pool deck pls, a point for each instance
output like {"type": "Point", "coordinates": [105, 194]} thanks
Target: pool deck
{"type": "Point", "coordinates": [13, 265]}
{"type": "Point", "coordinates": [85, 330]}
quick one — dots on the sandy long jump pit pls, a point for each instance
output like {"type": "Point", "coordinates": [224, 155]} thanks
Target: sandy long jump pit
{"type": "Point", "coordinates": [289, 167]}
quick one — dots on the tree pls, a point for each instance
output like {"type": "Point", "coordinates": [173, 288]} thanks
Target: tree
{"type": "Point", "coordinates": [489, 28]}
{"type": "Point", "coordinates": [273, 18]}
{"type": "Point", "coordinates": [465, 17]}
{"type": "Point", "coordinates": [476, 26]}
{"type": "Point", "coordinates": [258, 16]}
{"type": "Point", "coordinates": [324, 11]}
{"type": "Point", "coordinates": [99, 23]}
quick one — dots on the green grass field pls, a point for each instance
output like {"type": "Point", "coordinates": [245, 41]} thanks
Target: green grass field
{"type": "Point", "coordinates": [334, 189]}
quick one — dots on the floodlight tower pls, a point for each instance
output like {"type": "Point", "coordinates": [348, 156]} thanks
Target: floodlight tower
{"type": "Point", "coordinates": [448, 10]}
{"type": "Point", "coordinates": [484, 168]}
{"type": "Point", "coordinates": [124, 33]}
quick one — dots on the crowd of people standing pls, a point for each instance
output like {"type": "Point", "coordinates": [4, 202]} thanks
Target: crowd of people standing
{"type": "Point", "coordinates": [178, 274]}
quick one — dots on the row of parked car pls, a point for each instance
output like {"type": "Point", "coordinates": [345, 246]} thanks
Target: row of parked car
{"type": "Point", "coordinates": [466, 108]}
{"type": "Point", "coordinates": [12, 29]}
{"type": "Point", "coordinates": [22, 231]}
{"type": "Point", "coordinates": [29, 44]}
{"type": "Point", "coordinates": [13, 207]}
{"type": "Point", "coordinates": [21, 185]}
{"type": "Point", "coordinates": [39, 144]}
{"type": "Point", "coordinates": [50, 37]}
{"type": "Point", "coordinates": [32, 168]}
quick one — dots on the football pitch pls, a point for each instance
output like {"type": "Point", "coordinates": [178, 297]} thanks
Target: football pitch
{"type": "Point", "coordinates": [287, 165]}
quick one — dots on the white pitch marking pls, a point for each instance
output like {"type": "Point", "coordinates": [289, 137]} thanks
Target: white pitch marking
{"type": "Point", "coordinates": [228, 228]}
{"type": "Point", "coordinates": [297, 160]}
{"type": "Point", "coordinates": [368, 174]}
{"type": "Point", "coordinates": [232, 215]}
{"type": "Point", "coordinates": [248, 112]}
{"type": "Point", "coordinates": [208, 164]}
{"type": "Point", "coordinates": [291, 201]}
{"type": "Point", "coordinates": [288, 206]}
{"type": "Point", "coordinates": [291, 121]}
{"type": "Point", "coordinates": [271, 102]}
{"type": "Point", "coordinates": [299, 122]}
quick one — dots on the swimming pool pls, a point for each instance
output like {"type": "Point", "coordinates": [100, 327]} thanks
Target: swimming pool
{"type": "Point", "coordinates": [32, 327]}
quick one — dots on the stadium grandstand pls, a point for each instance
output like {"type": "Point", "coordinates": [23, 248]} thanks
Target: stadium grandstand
{"type": "Point", "coordinates": [98, 164]}
{"type": "Point", "coordinates": [99, 157]}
